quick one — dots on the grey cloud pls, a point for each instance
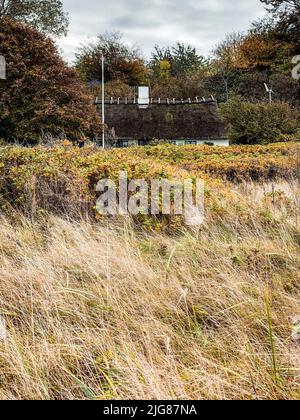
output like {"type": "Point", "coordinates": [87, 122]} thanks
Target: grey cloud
{"type": "Point", "coordinates": [146, 23]}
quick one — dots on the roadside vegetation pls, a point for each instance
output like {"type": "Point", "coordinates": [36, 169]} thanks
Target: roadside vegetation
{"type": "Point", "coordinates": [63, 178]}
{"type": "Point", "coordinates": [101, 309]}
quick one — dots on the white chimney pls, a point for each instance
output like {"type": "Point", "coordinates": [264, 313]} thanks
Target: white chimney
{"type": "Point", "coordinates": [143, 97]}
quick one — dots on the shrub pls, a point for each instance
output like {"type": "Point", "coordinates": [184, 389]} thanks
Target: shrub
{"type": "Point", "coordinates": [258, 123]}
{"type": "Point", "coordinates": [63, 178]}
{"type": "Point", "coordinates": [41, 93]}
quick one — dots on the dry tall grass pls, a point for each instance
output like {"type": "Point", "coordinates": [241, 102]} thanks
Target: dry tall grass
{"type": "Point", "coordinates": [102, 311]}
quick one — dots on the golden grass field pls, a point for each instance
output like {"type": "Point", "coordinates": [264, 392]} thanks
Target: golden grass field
{"type": "Point", "coordinates": [108, 309]}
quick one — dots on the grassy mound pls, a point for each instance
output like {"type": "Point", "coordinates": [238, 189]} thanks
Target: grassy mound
{"type": "Point", "coordinates": [99, 311]}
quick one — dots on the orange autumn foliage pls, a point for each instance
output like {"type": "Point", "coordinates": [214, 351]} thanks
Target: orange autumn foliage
{"type": "Point", "coordinates": [41, 94]}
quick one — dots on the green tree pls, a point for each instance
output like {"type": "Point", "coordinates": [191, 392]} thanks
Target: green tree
{"type": "Point", "coordinates": [41, 93]}
{"type": "Point", "coordinates": [178, 71]}
{"type": "Point", "coordinates": [258, 123]}
{"type": "Point", "coordinates": [287, 14]}
{"type": "Point", "coordinates": [47, 16]}
{"type": "Point", "coordinates": [183, 59]}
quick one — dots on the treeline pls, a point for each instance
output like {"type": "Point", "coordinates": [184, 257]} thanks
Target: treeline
{"type": "Point", "coordinates": [239, 65]}
{"type": "Point", "coordinates": [235, 74]}
{"type": "Point", "coordinates": [43, 96]}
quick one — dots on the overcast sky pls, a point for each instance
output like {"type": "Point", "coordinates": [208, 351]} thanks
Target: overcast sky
{"type": "Point", "coordinates": [202, 23]}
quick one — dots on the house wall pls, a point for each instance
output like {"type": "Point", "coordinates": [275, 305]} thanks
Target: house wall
{"type": "Point", "coordinates": [216, 142]}
{"type": "Point", "coordinates": [212, 142]}
{"type": "Point", "coordinates": [162, 121]}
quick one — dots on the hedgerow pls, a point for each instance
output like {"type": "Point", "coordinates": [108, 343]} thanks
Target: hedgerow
{"type": "Point", "coordinates": [63, 179]}
{"type": "Point", "coordinates": [279, 160]}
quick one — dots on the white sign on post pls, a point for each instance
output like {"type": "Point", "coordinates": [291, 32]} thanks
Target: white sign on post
{"type": "Point", "coordinates": [2, 68]}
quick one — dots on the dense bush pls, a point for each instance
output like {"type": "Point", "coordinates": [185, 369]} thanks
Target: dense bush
{"type": "Point", "coordinates": [259, 123]}
{"type": "Point", "coordinates": [41, 93]}
{"type": "Point", "coordinates": [264, 162]}
{"type": "Point", "coordinates": [63, 178]}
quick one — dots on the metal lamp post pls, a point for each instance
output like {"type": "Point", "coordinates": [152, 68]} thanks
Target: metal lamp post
{"type": "Point", "coordinates": [103, 102]}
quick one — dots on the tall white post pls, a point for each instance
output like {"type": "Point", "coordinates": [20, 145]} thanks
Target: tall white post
{"type": "Point", "coordinates": [103, 103]}
{"type": "Point", "coordinates": [270, 97]}
{"type": "Point", "coordinates": [2, 68]}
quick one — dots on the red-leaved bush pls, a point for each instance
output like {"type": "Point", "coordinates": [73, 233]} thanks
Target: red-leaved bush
{"type": "Point", "coordinates": [41, 95]}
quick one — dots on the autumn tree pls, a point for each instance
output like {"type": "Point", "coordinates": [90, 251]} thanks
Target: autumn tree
{"type": "Point", "coordinates": [41, 94]}
{"type": "Point", "coordinates": [47, 16]}
{"type": "Point", "coordinates": [227, 60]}
{"type": "Point", "coordinates": [122, 62]}
{"type": "Point", "coordinates": [287, 14]}
{"type": "Point", "coordinates": [246, 62]}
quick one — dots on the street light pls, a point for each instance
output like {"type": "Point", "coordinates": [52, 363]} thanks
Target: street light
{"type": "Point", "coordinates": [103, 102]}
